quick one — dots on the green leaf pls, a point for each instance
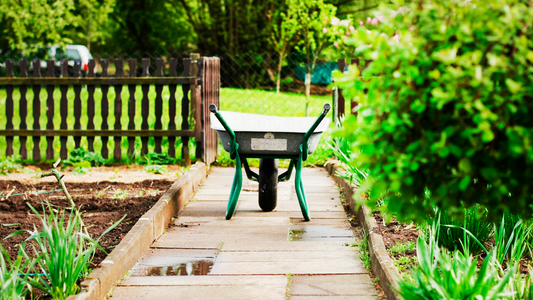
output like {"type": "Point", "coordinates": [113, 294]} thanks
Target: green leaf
{"type": "Point", "coordinates": [487, 136]}
{"type": "Point", "coordinates": [513, 86]}
{"type": "Point", "coordinates": [464, 183]}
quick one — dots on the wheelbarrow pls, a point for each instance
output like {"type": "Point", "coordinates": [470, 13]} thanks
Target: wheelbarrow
{"type": "Point", "coordinates": [269, 138]}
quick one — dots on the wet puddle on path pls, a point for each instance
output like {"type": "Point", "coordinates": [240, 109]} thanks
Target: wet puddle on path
{"type": "Point", "coordinates": [202, 267]}
{"type": "Point", "coordinates": [175, 263]}
{"type": "Point", "coordinates": [322, 233]}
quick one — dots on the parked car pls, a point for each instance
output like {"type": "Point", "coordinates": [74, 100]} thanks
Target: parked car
{"type": "Point", "coordinates": [72, 53]}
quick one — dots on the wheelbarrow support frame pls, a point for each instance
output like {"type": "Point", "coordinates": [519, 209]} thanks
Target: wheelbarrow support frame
{"type": "Point", "coordinates": [296, 163]}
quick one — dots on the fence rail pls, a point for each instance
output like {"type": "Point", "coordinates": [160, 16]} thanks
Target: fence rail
{"type": "Point", "coordinates": [199, 76]}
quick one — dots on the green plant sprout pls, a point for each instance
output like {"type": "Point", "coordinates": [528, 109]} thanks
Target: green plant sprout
{"type": "Point", "coordinates": [140, 193]}
{"type": "Point", "coordinates": [119, 194]}
{"type": "Point", "coordinates": [400, 247]}
{"type": "Point", "coordinates": [155, 169]}
{"type": "Point", "coordinates": [153, 192]}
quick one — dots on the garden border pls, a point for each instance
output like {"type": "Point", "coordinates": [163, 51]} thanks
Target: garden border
{"type": "Point", "coordinates": [382, 264]}
{"type": "Point", "coordinates": [138, 240]}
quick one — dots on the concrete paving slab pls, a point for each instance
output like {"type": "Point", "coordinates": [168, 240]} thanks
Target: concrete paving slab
{"type": "Point", "coordinates": [205, 280]}
{"type": "Point", "coordinates": [241, 292]}
{"type": "Point", "coordinates": [205, 238]}
{"type": "Point", "coordinates": [292, 267]}
{"type": "Point", "coordinates": [294, 214]}
{"type": "Point", "coordinates": [234, 222]}
{"type": "Point", "coordinates": [338, 223]}
{"type": "Point", "coordinates": [345, 253]}
{"type": "Point", "coordinates": [281, 231]}
{"type": "Point", "coordinates": [332, 285]}
{"type": "Point", "coordinates": [205, 208]}
{"type": "Point", "coordinates": [221, 197]}
{"type": "Point", "coordinates": [172, 243]}
{"type": "Point", "coordinates": [271, 246]}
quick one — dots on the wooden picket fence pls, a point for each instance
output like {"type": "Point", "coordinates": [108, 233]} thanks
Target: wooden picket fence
{"type": "Point", "coordinates": [201, 78]}
{"type": "Point", "coordinates": [338, 98]}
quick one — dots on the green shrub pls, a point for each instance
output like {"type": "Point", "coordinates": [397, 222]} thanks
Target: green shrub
{"type": "Point", "coordinates": [82, 159]}
{"type": "Point", "coordinates": [448, 108]}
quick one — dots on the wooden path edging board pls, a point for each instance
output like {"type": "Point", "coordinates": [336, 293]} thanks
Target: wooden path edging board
{"type": "Point", "coordinates": [147, 229]}
{"type": "Point", "coordinates": [382, 264]}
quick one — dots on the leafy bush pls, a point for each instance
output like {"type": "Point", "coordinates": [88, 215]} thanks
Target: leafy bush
{"type": "Point", "coordinates": [82, 159]}
{"type": "Point", "coordinates": [448, 107]}
{"type": "Point", "coordinates": [8, 165]}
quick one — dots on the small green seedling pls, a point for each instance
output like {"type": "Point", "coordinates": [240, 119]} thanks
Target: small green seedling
{"type": "Point", "coordinates": [120, 194]}
{"type": "Point", "coordinates": [400, 247]}
{"type": "Point", "coordinates": [156, 169]}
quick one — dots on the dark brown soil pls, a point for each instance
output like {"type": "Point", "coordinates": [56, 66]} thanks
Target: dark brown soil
{"type": "Point", "coordinates": [98, 201]}
{"type": "Point", "coordinates": [396, 232]}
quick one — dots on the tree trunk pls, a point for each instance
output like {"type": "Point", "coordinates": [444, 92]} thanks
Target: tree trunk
{"type": "Point", "coordinates": [278, 81]}
{"type": "Point", "coordinates": [307, 93]}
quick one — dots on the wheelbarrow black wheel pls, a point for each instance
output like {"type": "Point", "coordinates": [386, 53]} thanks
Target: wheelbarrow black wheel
{"type": "Point", "coordinates": [268, 184]}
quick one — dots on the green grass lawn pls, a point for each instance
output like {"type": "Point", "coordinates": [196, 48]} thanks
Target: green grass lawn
{"type": "Point", "coordinates": [241, 100]}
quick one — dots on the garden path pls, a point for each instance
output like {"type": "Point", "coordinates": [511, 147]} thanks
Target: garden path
{"type": "Point", "coordinates": [256, 254]}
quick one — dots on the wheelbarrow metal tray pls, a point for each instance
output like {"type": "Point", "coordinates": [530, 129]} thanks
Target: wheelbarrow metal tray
{"type": "Point", "coordinates": [260, 135]}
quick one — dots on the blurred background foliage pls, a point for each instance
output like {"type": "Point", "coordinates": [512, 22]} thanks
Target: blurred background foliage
{"type": "Point", "coordinates": [149, 26]}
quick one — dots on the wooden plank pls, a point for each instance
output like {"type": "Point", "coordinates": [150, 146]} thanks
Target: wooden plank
{"type": "Point", "coordinates": [185, 155]}
{"type": "Point", "coordinates": [94, 81]}
{"type": "Point", "coordinates": [36, 109]}
{"type": "Point", "coordinates": [77, 103]}
{"type": "Point", "coordinates": [63, 106]}
{"type": "Point", "coordinates": [145, 103]}
{"type": "Point", "coordinates": [50, 109]}
{"type": "Point", "coordinates": [23, 108]}
{"type": "Point", "coordinates": [90, 104]}
{"type": "Point", "coordinates": [172, 108]}
{"type": "Point", "coordinates": [96, 132]}
{"type": "Point", "coordinates": [119, 73]}
{"type": "Point", "coordinates": [9, 107]}
{"type": "Point", "coordinates": [198, 70]}
{"type": "Point", "coordinates": [131, 108]}
{"type": "Point", "coordinates": [159, 63]}
{"type": "Point", "coordinates": [341, 63]}
{"type": "Point", "coordinates": [104, 109]}
{"type": "Point", "coordinates": [353, 103]}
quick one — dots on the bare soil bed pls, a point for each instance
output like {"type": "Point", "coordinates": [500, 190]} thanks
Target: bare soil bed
{"type": "Point", "coordinates": [105, 195]}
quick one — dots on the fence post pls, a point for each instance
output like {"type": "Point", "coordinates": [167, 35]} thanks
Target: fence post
{"type": "Point", "coordinates": [335, 113]}
{"type": "Point", "coordinates": [196, 105]}
{"type": "Point", "coordinates": [341, 63]}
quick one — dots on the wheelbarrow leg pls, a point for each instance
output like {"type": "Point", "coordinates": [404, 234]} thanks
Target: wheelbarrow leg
{"type": "Point", "coordinates": [235, 188]}
{"type": "Point", "coordinates": [299, 187]}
